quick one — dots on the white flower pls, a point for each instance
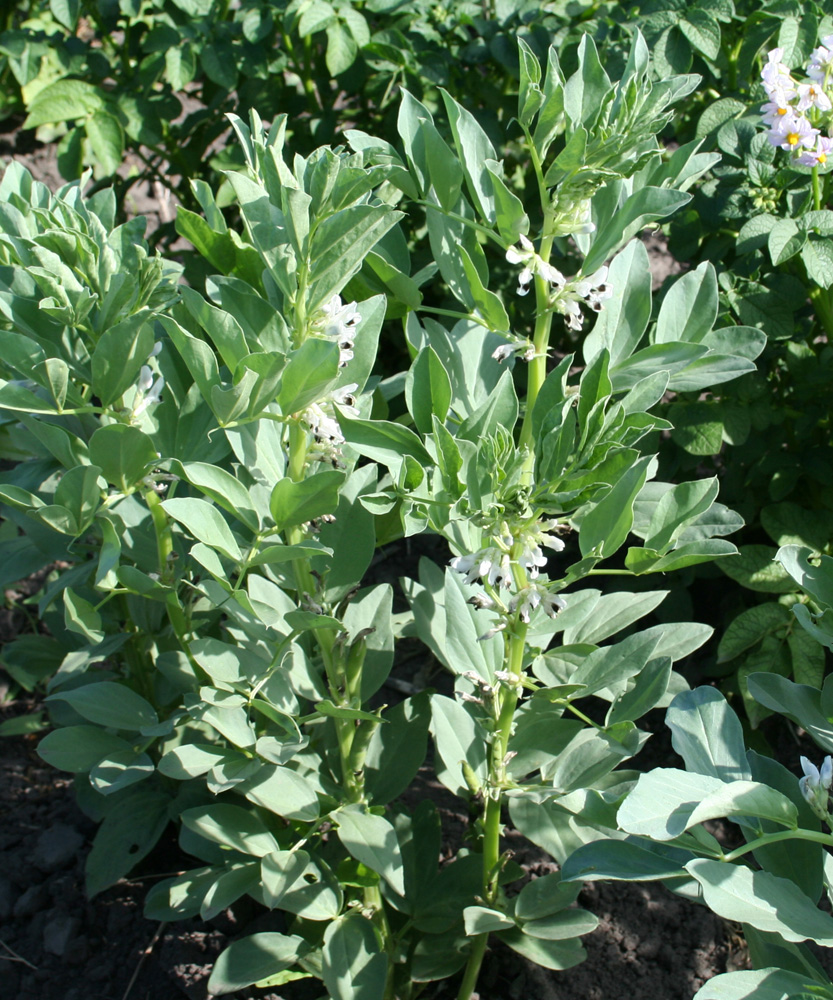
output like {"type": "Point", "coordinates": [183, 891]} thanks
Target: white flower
{"type": "Point", "coordinates": [524, 255]}
{"type": "Point", "coordinates": [810, 95]}
{"type": "Point", "coordinates": [819, 156]}
{"type": "Point", "coordinates": [530, 598]}
{"type": "Point", "coordinates": [792, 133]}
{"type": "Point", "coordinates": [322, 422]}
{"type": "Point", "coordinates": [145, 378]}
{"type": "Point", "coordinates": [532, 265]}
{"type": "Point", "coordinates": [504, 352]}
{"type": "Point", "coordinates": [338, 321]}
{"type": "Point", "coordinates": [592, 290]}
{"type": "Point", "coordinates": [492, 632]}
{"type": "Point", "coordinates": [489, 564]}
{"type": "Point", "coordinates": [775, 73]}
{"type": "Point", "coordinates": [815, 785]}
{"type": "Point", "coordinates": [773, 111]}
{"type": "Point", "coordinates": [345, 399]}
{"type": "Point", "coordinates": [525, 349]}
{"type": "Point", "coordinates": [148, 391]}
{"type": "Point", "coordinates": [821, 60]}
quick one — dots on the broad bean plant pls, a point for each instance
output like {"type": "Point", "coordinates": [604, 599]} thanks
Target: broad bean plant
{"type": "Point", "coordinates": [212, 473]}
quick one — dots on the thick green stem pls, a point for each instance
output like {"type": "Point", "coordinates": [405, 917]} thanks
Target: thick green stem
{"type": "Point", "coordinates": [537, 371]}
{"type": "Point", "coordinates": [494, 801]}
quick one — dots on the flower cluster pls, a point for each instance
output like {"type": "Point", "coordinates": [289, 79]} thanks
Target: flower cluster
{"type": "Point", "coordinates": [815, 785]}
{"type": "Point", "coordinates": [532, 597]}
{"type": "Point", "coordinates": [566, 294]}
{"type": "Point", "coordinates": [794, 109]}
{"type": "Point", "coordinates": [493, 564]}
{"type": "Point", "coordinates": [338, 321]}
{"type": "Point", "coordinates": [322, 421]}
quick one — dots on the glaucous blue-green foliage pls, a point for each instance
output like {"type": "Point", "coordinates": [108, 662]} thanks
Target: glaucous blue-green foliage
{"type": "Point", "coordinates": [211, 467]}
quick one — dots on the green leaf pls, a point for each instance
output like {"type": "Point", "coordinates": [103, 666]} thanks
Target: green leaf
{"type": "Point", "coordinates": [755, 568]}
{"type": "Point", "coordinates": [677, 507]}
{"type": "Point", "coordinates": [604, 529]}
{"type": "Point", "coordinates": [79, 748]}
{"type": "Point", "coordinates": [798, 702]}
{"type": "Point", "coordinates": [340, 244]}
{"type": "Point", "coordinates": [512, 220]}
{"type": "Point", "coordinates": [383, 441]}
{"type": "Point", "coordinates": [79, 492]}
{"type": "Point", "coordinates": [609, 666]}
{"type": "Point", "coordinates": [110, 704]}
{"type": "Point", "coordinates": [483, 920]}
{"type": "Point", "coordinates": [310, 373]}
{"type": "Point", "coordinates": [16, 397]}
{"type": "Point", "coordinates": [817, 255]}
{"type": "Point", "coordinates": [645, 205]}
{"type": "Point", "coordinates": [618, 860]}
{"type": "Point", "coordinates": [341, 48]}
{"type": "Point", "coordinates": [296, 884]}
{"type": "Point", "coordinates": [458, 738]}
{"type": "Point", "coordinates": [666, 802]}
{"type": "Point", "coordinates": [65, 12]}
{"type": "Point", "coordinates": [224, 489]}
{"type": "Point", "coordinates": [204, 522]}
{"type": "Point", "coordinates": [64, 101]}
{"type": "Point", "coordinates": [254, 958]}
{"type": "Point", "coordinates": [702, 31]}
{"type": "Point", "coordinates": [586, 90]}
{"type": "Point", "coordinates": [791, 524]}
{"type": "Point", "coordinates": [232, 827]}
{"type": "Point", "coordinates": [556, 955]}
{"type": "Point", "coordinates": [698, 427]}
{"type": "Point", "coordinates": [707, 734]}
{"type": "Point", "coordinates": [649, 689]}
{"type": "Point", "coordinates": [530, 96]}
{"type": "Point", "coordinates": [562, 926]}
{"type": "Point", "coordinates": [124, 454]}
{"type": "Point", "coordinates": [283, 792]}
{"type": "Point", "coordinates": [626, 313]}
{"type": "Point", "coordinates": [427, 389]}
{"type": "Point", "coordinates": [816, 580]}
{"type": "Point", "coordinates": [80, 616]}
{"type": "Point", "coordinates": [785, 240]}
{"type": "Point", "coordinates": [131, 828]}
{"type": "Point", "coordinates": [750, 627]}
{"type": "Point", "coordinates": [118, 357]}
{"type": "Point", "coordinates": [762, 984]}
{"type": "Point", "coordinates": [354, 966]}
{"type": "Point", "coordinates": [689, 309]}
{"type": "Point", "coordinates": [544, 896]}
{"type": "Point", "coordinates": [474, 149]}
{"type": "Point", "coordinates": [372, 840]}
{"type": "Point", "coordinates": [120, 770]}
{"type": "Point", "coordinates": [762, 900]}
{"type": "Point", "coordinates": [294, 503]}
{"type": "Point", "coordinates": [106, 138]}
{"type": "Point", "coordinates": [23, 725]}
{"type": "Point", "coordinates": [486, 303]}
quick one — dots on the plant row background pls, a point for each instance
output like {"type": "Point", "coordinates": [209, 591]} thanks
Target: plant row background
{"type": "Point", "coordinates": [415, 303]}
